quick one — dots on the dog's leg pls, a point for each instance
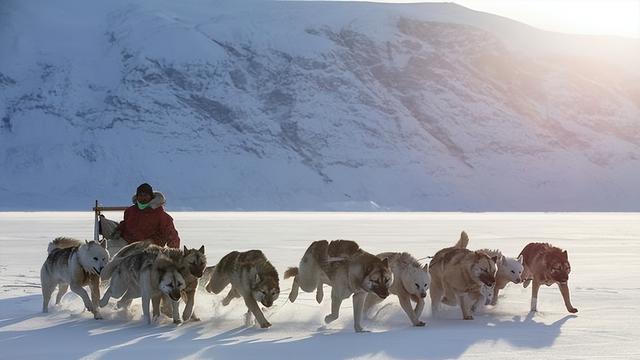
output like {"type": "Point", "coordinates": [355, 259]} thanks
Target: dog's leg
{"type": "Point", "coordinates": [293, 295]}
{"type": "Point", "coordinates": [465, 307]}
{"type": "Point", "coordinates": [248, 318]}
{"type": "Point", "coordinates": [155, 308]}
{"type": "Point", "coordinates": [145, 281]}
{"type": "Point", "coordinates": [534, 294]}
{"type": "Point", "coordinates": [336, 301]}
{"type": "Point", "coordinates": [405, 304]}
{"type": "Point", "coordinates": [319, 292]}
{"type": "Point", "coordinates": [105, 297]}
{"type": "Point", "coordinates": [371, 300]}
{"type": "Point", "coordinates": [47, 290]}
{"type": "Point", "coordinates": [94, 285]}
{"type": "Point", "coordinates": [145, 308]}
{"type": "Point", "coordinates": [62, 289]}
{"type": "Point", "coordinates": [419, 308]}
{"type": "Point", "coordinates": [358, 303]}
{"type": "Point", "coordinates": [496, 290]}
{"type": "Point", "coordinates": [233, 293]}
{"type": "Point", "coordinates": [564, 290]}
{"type": "Point", "coordinates": [435, 293]}
{"type": "Point", "coordinates": [253, 306]}
{"type": "Point", "coordinates": [166, 306]}
{"type": "Point", "coordinates": [175, 310]}
{"type": "Point", "coordinates": [188, 306]}
{"type": "Point", "coordinates": [83, 294]}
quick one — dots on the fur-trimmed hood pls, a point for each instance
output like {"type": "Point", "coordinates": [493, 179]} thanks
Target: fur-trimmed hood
{"type": "Point", "coordinates": [157, 201]}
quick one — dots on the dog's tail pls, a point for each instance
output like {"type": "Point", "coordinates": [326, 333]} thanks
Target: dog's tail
{"type": "Point", "coordinates": [105, 274]}
{"type": "Point", "coordinates": [62, 243]}
{"type": "Point", "coordinates": [463, 242]}
{"type": "Point", "coordinates": [291, 272]}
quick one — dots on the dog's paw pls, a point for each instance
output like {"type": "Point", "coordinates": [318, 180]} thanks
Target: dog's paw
{"type": "Point", "coordinates": [359, 329]}
{"type": "Point", "coordinates": [420, 323]}
{"type": "Point", "coordinates": [177, 321]}
{"type": "Point", "coordinates": [293, 295]}
{"type": "Point", "coordinates": [573, 310]}
{"type": "Point", "coordinates": [265, 325]}
{"type": "Point", "coordinates": [329, 318]}
{"type": "Point", "coordinates": [97, 316]}
{"type": "Point", "coordinates": [468, 317]}
{"type": "Point", "coordinates": [155, 319]}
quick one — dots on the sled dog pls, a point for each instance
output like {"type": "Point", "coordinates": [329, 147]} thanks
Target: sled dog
{"type": "Point", "coordinates": [457, 275]}
{"type": "Point", "coordinates": [345, 267]}
{"type": "Point", "coordinates": [251, 276]}
{"type": "Point", "coordinates": [192, 263]}
{"type": "Point", "coordinates": [72, 263]}
{"type": "Point", "coordinates": [147, 274]}
{"type": "Point", "coordinates": [509, 270]}
{"type": "Point", "coordinates": [410, 283]}
{"type": "Point", "coordinates": [546, 264]}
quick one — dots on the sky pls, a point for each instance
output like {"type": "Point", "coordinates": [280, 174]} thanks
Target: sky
{"type": "Point", "coordinates": [613, 17]}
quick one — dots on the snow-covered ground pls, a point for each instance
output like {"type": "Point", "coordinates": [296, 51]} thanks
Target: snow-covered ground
{"type": "Point", "coordinates": [603, 248]}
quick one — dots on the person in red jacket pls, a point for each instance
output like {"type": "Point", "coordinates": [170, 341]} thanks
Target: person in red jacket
{"type": "Point", "coordinates": [147, 220]}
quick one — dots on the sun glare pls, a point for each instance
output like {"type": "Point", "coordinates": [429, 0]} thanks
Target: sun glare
{"type": "Point", "coordinates": [613, 17]}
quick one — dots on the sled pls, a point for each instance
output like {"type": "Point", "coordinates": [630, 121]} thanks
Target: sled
{"type": "Point", "coordinates": [105, 227]}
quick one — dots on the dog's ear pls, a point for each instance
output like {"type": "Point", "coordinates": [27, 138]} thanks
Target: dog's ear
{"type": "Point", "coordinates": [521, 259]}
{"type": "Point", "coordinates": [184, 248]}
{"type": "Point", "coordinates": [103, 243]}
{"type": "Point", "coordinates": [504, 260]}
{"type": "Point", "coordinates": [565, 255]}
{"type": "Point", "coordinates": [201, 250]}
{"type": "Point", "coordinates": [385, 262]}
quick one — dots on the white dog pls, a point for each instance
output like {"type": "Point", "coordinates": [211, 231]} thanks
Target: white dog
{"type": "Point", "coordinates": [509, 270]}
{"type": "Point", "coordinates": [410, 282]}
{"type": "Point", "coordinates": [72, 263]}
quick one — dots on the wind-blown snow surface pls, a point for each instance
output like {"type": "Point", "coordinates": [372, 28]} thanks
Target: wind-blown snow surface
{"type": "Point", "coordinates": [603, 249]}
{"type": "Point", "coordinates": [311, 105]}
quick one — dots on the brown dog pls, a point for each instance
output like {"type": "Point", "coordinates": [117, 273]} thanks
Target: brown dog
{"type": "Point", "coordinates": [457, 275]}
{"type": "Point", "coordinates": [546, 264]}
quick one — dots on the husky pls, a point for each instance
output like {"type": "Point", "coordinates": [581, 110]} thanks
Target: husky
{"type": "Point", "coordinates": [192, 263]}
{"type": "Point", "coordinates": [251, 276]}
{"type": "Point", "coordinates": [458, 274]}
{"type": "Point", "coordinates": [546, 264]}
{"type": "Point", "coordinates": [410, 282]}
{"type": "Point", "coordinates": [483, 296]}
{"type": "Point", "coordinates": [509, 270]}
{"type": "Point", "coordinates": [345, 267]}
{"type": "Point", "coordinates": [148, 275]}
{"type": "Point", "coordinates": [72, 263]}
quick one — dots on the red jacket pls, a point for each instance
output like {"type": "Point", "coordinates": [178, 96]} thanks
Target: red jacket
{"type": "Point", "coordinates": [149, 224]}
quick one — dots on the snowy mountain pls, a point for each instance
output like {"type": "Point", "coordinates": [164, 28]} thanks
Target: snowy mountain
{"type": "Point", "coordinates": [265, 105]}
